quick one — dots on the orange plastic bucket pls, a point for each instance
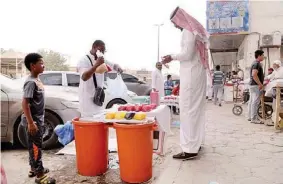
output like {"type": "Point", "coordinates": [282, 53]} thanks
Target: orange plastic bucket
{"type": "Point", "coordinates": [135, 150]}
{"type": "Point", "coordinates": [91, 147]}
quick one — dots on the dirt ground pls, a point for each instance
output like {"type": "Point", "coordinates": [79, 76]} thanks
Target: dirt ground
{"type": "Point", "coordinates": [63, 168]}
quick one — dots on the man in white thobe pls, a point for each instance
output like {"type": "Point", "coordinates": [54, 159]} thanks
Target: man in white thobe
{"type": "Point", "coordinates": [193, 64]}
{"type": "Point", "coordinates": [209, 89]}
{"type": "Point", "coordinates": [158, 80]}
{"type": "Point", "coordinates": [87, 67]}
{"type": "Point", "coordinates": [276, 74]}
{"type": "Point", "coordinates": [278, 71]}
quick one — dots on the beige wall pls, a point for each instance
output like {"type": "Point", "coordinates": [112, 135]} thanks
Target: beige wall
{"type": "Point", "coordinates": [266, 17]}
{"type": "Point", "coordinates": [225, 60]}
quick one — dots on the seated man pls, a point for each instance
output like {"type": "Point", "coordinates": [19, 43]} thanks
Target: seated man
{"type": "Point", "coordinates": [276, 74]}
{"type": "Point", "coordinates": [278, 71]}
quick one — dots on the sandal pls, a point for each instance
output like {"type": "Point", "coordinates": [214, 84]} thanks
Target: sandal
{"type": "Point", "coordinates": [32, 174]}
{"type": "Point", "coordinates": [45, 180]}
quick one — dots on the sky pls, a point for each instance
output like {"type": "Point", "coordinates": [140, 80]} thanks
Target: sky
{"type": "Point", "coordinates": [71, 26]}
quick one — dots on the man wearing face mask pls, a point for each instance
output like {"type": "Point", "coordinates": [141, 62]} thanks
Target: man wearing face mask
{"type": "Point", "coordinates": [158, 80]}
{"type": "Point", "coordinates": [87, 66]}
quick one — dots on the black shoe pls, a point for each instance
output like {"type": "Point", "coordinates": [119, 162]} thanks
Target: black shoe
{"type": "Point", "coordinates": [185, 156]}
{"type": "Point", "coordinates": [220, 105]}
{"type": "Point", "coordinates": [199, 149]}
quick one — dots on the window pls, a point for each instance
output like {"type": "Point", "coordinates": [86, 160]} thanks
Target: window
{"type": "Point", "coordinates": [73, 80]}
{"type": "Point", "coordinates": [129, 78]}
{"type": "Point", "coordinates": [109, 75]}
{"type": "Point", "coordinates": [51, 79]}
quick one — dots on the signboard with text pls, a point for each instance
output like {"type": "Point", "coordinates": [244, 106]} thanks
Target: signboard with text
{"type": "Point", "coordinates": [227, 17]}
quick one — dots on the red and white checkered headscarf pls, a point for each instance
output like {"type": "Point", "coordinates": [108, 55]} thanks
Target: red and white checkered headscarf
{"type": "Point", "coordinates": [184, 20]}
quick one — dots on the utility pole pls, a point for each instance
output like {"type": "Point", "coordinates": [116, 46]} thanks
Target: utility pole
{"type": "Point", "coordinates": [158, 39]}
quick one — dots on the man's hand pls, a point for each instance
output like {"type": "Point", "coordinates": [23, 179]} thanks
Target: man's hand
{"type": "Point", "coordinates": [166, 59]}
{"type": "Point", "coordinates": [32, 128]}
{"type": "Point", "coordinates": [260, 87]}
{"type": "Point", "coordinates": [118, 68]}
{"type": "Point", "coordinates": [99, 62]}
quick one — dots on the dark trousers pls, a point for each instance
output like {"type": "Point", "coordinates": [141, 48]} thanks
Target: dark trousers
{"type": "Point", "coordinates": [173, 108]}
{"type": "Point", "coordinates": [35, 150]}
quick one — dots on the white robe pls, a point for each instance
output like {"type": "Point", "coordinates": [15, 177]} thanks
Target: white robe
{"type": "Point", "coordinates": [276, 74]}
{"type": "Point", "coordinates": [158, 82]}
{"type": "Point", "coordinates": [86, 88]}
{"type": "Point", "coordinates": [209, 89]}
{"type": "Point", "coordinates": [192, 95]}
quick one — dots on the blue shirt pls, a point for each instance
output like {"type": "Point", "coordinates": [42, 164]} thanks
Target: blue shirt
{"type": "Point", "coordinates": [168, 85]}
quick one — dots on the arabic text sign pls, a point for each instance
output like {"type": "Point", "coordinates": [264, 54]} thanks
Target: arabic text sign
{"type": "Point", "coordinates": [227, 16]}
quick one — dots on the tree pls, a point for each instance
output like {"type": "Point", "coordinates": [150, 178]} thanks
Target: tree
{"type": "Point", "coordinates": [53, 61]}
{"type": "Point", "coordinates": [2, 51]}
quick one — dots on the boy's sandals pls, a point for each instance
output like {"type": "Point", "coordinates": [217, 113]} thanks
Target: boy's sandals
{"type": "Point", "coordinates": [45, 180]}
{"type": "Point", "coordinates": [32, 173]}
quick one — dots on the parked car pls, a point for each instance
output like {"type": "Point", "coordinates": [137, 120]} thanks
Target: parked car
{"type": "Point", "coordinates": [133, 83]}
{"type": "Point", "coordinates": [60, 107]}
{"type": "Point", "coordinates": [176, 81]}
{"type": "Point", "coordinates": [67, 81]}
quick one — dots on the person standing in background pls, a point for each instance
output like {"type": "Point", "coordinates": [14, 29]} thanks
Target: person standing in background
{"type": "Point", "coordinates": [240, 74]}
{"type": "Point", "coordinates": [256, 86]}
{"type": "Point", "coordinates": [168, 85]}
{"type": "Point", "coordinates": [209, 90]}
{"type": "Point", "coordinates": [175, 92]}
{"type": "Point", "coordinates": [176, 89]}
{"type": "Point", "coordinates": [87, 67]}
{"type": "Point", "coordinates": [218, 82]}
{"type": "Point", "coordinates": [158, 80]}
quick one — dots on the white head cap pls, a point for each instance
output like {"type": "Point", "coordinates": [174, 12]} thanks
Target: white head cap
{"type": "Point", "coordinates": [277, 62]}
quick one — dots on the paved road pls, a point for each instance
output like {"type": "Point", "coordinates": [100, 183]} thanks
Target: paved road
{"type": "Point", "coordinates": [235, 152]}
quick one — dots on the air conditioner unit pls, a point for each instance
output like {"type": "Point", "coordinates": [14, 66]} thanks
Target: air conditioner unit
{"type": "Point", "coordinates": [270, 40]}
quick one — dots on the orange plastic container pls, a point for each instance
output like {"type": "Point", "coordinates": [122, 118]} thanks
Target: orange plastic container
{"type": "Point", "coordinates": [135, 151]}
{"type": "Point", "coordinates": [91, 147]}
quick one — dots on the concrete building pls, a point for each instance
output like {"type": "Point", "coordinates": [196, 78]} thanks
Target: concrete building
{"type": "Point", "coordinates": [12, 64]}
{"type": "Point", "coordinates": [262, 29]}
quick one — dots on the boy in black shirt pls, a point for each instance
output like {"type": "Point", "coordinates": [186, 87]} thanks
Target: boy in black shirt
{"type": "Point", "coordinates": [33, 118]}
{"type": "Point", "coordinates": [256, 86]}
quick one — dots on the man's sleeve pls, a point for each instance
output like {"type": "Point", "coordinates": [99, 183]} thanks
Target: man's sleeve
{"type": "Point", "coordinates": [271, 76]}
{"type": "Point", "coordinates": [29, 89]}
{"type": "Point", "coordinates": [153, 78]}
{"type": "Point", "coordinates": [111, 65]}
{"type": "Point", "coordinates": [83, 65]}
{"type": "Point", "coordinates": [255, 66]}
{"type": "Point", "coordinates": [188, 47]}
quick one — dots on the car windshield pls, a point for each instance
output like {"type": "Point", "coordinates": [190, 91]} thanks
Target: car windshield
{"type": "Point", "coordinates": [8, 83]}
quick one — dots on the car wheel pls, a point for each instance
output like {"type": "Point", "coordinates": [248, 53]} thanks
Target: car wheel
{"type": "Point", "coordinates": [50, 139]}
{"type": "Point", "coordinates": [115, 101]}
